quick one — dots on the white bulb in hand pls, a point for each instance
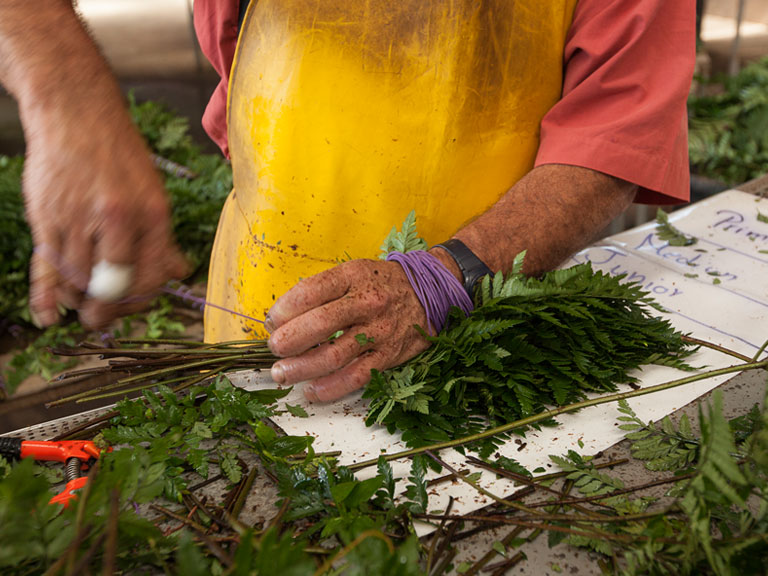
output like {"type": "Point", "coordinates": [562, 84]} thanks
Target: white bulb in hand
{"type": "Point", "coordinates": [110, 282]}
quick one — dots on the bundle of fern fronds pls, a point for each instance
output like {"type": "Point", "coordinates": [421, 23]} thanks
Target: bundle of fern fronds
{"type": "Point", "coordinates": [529, 344]}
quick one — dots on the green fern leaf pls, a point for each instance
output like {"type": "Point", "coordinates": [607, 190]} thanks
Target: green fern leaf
{"type": "Point", "coordinates": [406, 240]}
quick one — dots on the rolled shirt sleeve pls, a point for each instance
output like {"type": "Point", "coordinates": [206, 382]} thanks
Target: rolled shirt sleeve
{"type": "Point", "coordinates": [217, 28]}
{"type": "Point", "coordinates": [628, 70]}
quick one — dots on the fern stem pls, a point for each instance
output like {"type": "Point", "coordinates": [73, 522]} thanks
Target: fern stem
{"type": "Point", "coordinates": [186, 382]}
{"type": "Point", "coordinates": [483, 491]}
{"type": "Point", "coordinates": [536, 483]}
{"type": "Point", "coordinates": [581, 519]}
{"type": "Point", "coordinates": [587, 534]}
{"type": "Point", "coordinates": [717, 347]}
{"type": "Point", "coordinates": [482, 562]}
{"type": "Point", "coordinates": [156, 341]}
{"type": "Point", "coordinates": [760, 351]}
{"type": "Point", "coordinates": [436, 537]}
{"type": "Point", "coordinates": [600, 466]}
{"type": "Point", "coordinates": [562, 410]}
{"type": "Point", "coordinates": [530, 523]}
{"type": "Point", "coordinates": [242, 494]}
{"type": "Point", "coordinates": [515, 532]}
{"type": "Point", "coordinates": [140, 353]}
{"type": "Point", "coordinates": [169, 370]}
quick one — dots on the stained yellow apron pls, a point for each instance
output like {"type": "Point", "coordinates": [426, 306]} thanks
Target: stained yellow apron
{"type": "Point", "coordinates": [345, 115]}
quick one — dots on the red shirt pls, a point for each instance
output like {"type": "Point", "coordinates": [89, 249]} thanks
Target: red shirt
{"type": "Point", "coordinates": [628, 69]}
{"type": "Point", "coordinates": [216, 27]}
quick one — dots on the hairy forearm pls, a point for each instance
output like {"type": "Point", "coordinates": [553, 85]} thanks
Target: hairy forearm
{"type": "Point", "coordinates": [551, 213]}
{"type": "Point", "coordinates": [50, 65]}
{"type": "Point", "coordinates": [91, 192]}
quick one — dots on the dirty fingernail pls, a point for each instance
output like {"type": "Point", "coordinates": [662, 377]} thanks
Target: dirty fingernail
{"type": "Point", "coordinates": [43, 318]}
{"type": "Point", "coordinates": [311, 394]}
{"type": "Point", "coordinates": [35, 319]}
{"type": "Point", "coordinates": [277, 373]}
{"type": "Point", "coordinates": [269, 324]}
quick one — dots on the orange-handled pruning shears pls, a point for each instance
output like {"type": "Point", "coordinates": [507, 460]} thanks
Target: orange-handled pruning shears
{"type": "Point", "coordinates": [77, 455]}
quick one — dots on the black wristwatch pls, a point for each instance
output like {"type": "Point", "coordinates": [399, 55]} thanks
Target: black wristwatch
{"type": "Point", "coordinates": [472, 268]}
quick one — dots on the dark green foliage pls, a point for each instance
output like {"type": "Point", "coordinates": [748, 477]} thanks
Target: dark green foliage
{"type": "Point", "coordinates": [37, 358]}
{"type": "Point", "coordinates": [728, 132]}
{"type": "Point", "coordinates": [717, 522]}
{"type": "Point", "coordinates": [29, 529]}
{"type": "Point", "coordinates": [355, 513]}
{"type": "Point", "coordinates": [530, 343]}
{"type": "Point", "coordinates": [165, 443]}
{"type": "Point", "coordinates": [720, 533]}
{"type": "Point", "coordinates": [159, 321]}
{"type": "Point", "coordinates": [591, 482]}
{"type": "Point", "coordinates": [675, 447]}
{"type": "Point", "coordinates": [512, 465]}
{"type": "Point", "coordinates": [15, 243]}
{"type": "Point", "coordinates": [35, 534]}
{"type": "Point", "coordinates": [191, 435]}
{"type": "Point", "coordinates": [272, 553]}
{"type": "Point", "coordinates": [196, 203]}
{"type": "Point", "coordinates": [416, 491]}
{"type": "Point", "coordinates": [744, 426]}
{"type": "Point", "coordinates": [196, 208]}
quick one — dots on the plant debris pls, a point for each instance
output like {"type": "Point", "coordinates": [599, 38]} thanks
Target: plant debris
{"type": "Point", "coordinates": [669, 233]}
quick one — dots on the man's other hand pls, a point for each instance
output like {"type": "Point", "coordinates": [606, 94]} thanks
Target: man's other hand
{"type": "Point", "coordinates": [92, 195]}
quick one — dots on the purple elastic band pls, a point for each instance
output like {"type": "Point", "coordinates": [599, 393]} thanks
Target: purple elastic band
{"type": "Point", "coordinates": [436, 288]}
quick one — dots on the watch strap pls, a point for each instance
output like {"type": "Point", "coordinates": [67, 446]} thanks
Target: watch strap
{"type": "Point", "coordinates": [471, 267]}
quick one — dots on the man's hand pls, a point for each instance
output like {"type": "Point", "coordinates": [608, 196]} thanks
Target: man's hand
{"type": "Point", "coordinates": [375, 306]}
{"type": "Point", "coordinates": [91, 192]}
{"type": "Point", "coordinates": [92, 195]}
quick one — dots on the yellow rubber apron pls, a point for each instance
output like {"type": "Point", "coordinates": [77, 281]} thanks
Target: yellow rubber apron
{"type": "Point", "coordinates": [345, 115]}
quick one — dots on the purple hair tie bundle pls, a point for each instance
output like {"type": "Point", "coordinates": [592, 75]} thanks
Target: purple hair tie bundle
{"type": "Point", "coordinates": [436, 288]}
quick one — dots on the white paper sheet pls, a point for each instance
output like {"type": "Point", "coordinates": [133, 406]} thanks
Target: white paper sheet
{"type": "Point", "coordinates": [732, 249]}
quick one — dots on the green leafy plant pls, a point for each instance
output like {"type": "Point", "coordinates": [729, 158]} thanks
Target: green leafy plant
{"type": "Point", "coordinates": [662, 447]}
{"type": "Point", "coordinates": [165, 442]}
{"type": "Point", "coordinates": [728, 132]}
{"type": "Point", "coordinates": [37, 359]}
{"type": "Point", "coordinates": [198, 193]}
{"type": "Point", "coordinates": [714, 518]}
{"type": "Point", "coordinates": [404, 240]}
{"type": "Point", "coordinates": [192, 433]}
{"type": "Point", "coordinates": [329, 522]}
{"type": "Point", "coordinates": [530, 343]}
{"type": "Point", "coordinates": [15, 243]}
{"type": "Point", "coordinates": [587, 330]}
{"type": "Point", "coordinates": [159, 321]}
